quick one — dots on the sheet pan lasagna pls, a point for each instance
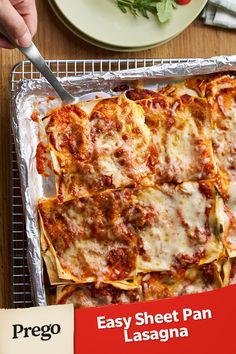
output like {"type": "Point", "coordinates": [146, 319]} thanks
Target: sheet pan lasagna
{"type": "Point", "coordinates": [145, 204]}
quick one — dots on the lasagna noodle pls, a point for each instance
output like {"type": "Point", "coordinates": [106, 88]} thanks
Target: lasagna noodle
{"type": "Point", "coordinates": [185, 281]}
{"type": "Point", "coordinates": [50, 262]}
{"type": "Point", "coordinates": [229, 271]}
{"type": "Point", "coordinates": [98, 145]}
{"type": "Point", "coordinates": [180, 128]}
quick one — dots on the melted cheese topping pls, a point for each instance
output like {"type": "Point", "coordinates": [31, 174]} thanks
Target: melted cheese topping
{"type": "Point", "coordinates": [181, 229]}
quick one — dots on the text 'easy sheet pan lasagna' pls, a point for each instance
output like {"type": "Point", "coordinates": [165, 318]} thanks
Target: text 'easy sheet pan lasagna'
{"type": "Point", "coordinates": [145, 204]}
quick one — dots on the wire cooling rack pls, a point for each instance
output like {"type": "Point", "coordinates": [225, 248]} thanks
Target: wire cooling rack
{"type": "Point", "coordinates": [21, 289]}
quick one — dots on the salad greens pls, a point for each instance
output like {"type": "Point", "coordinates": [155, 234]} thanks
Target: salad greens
{"type": "Point", "coordinates": [161, 8]}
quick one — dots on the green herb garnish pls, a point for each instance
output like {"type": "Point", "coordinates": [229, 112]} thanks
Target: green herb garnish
{"type": "Point", "coordinates": [218, 229]}
{"type": "Point", "coordinates": [161, 8]}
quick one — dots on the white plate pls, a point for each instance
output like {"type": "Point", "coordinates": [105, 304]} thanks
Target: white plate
{"type": "Point", "coordinates": [103, 21]}
{"type": "Point", "coordinates": [93, 41]}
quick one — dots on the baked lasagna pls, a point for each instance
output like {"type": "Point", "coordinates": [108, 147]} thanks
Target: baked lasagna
{"type": "Point", "coordinates": [145, 204]}
{"type": "Point", "coordinates": [116, 143]}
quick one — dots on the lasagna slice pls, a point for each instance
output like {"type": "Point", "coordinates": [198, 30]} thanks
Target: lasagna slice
{"type": "Point", "coordinates": [178, 225]}
{"type": "Point", "coordinates": [91, 295]}
{"type": "Point", "coordinates": [114, 235]}
{"type": "Point", "coordinates": [220, 92]}
{"type": "Point", "coordinates": [98, 145]}
{"type": "Point", "coordinates": [159, 285]}
{"type": "Point", "coordinates": [89, 239]}
{"type": "Point", "coordinates": [180, 128]}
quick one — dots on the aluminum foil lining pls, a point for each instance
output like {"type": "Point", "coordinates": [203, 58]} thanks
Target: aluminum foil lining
{"type": "Point", "coordinates": [37, 95]}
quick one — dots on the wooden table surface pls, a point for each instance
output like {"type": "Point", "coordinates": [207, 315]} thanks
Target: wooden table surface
{"type": "Point", "coordinates": [57, 42]}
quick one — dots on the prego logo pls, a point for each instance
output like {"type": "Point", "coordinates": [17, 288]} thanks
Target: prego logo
{"type": "Point", "coordinates": [45, 332]}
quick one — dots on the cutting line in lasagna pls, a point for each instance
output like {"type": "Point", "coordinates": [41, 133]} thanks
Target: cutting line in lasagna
{"type": "Point", "coordinates": [152, 286]}
{"type": "Point", "coordinates": [91, 295]}
{"type": "Point", "coordinates": [113, 236]}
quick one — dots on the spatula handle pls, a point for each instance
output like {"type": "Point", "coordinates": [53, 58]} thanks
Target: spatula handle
{"type": "Point", "coordinates": [32, 53]}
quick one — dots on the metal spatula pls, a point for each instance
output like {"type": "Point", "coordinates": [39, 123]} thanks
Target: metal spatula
{"type": "Point", "coordinates": [32, 53]}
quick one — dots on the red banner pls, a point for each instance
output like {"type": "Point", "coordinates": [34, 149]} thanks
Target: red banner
{"type": "Point", "coordinates": [191, 324]}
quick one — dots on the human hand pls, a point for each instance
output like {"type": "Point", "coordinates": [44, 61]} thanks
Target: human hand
{"type": "Point", "coordinates": [19, 21]}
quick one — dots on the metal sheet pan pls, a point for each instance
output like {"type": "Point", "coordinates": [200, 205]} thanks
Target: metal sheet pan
{"type": "Point", "coordinates": [32, 93]}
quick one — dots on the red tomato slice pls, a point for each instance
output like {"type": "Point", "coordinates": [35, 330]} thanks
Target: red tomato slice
{"type": "Point", "coordinates": [182, 2]}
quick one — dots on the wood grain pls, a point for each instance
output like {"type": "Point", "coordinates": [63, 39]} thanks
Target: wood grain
{"type": "Point", "coordinates": [57, 42]}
